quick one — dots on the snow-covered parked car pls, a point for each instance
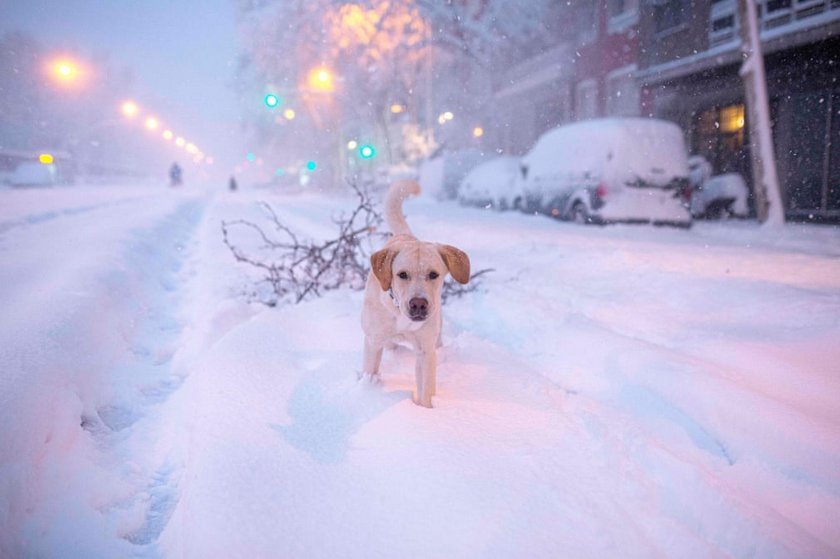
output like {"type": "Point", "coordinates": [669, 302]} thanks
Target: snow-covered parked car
{"type": "Point", "coordinates": [715, 196]}
{"type": "Point", "coordinates": [30, 173]}
{"type": "Point", "coordinates": [441, 176]}
{"type": "Point", "coordinates": [609, 170]}
{"type": "Point", "coordinates": [491, 184]}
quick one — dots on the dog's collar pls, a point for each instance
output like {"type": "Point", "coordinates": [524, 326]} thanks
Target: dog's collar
{"type": "Point", "coordinates": [393, 299]}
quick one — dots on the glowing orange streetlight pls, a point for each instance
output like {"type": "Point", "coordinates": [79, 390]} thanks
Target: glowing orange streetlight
{"type": "Point", "coordinates": [179, 141]}
{"type": "Point", "coordinates": [167, 135]}
{"type": "Point", "coordinates": [152, 123]}
{"type": "Point", "coordinates": [65, 71]}
{"type": "Point", "coordinates": [321, 79]}
{"type": "Point", "coordinates": [289, 114]}
{"type": "Point", "coordinates": [129, 109]}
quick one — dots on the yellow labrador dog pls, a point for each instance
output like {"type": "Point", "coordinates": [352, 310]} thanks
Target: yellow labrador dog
{"type": "Point", "coordinates": [402, 296]}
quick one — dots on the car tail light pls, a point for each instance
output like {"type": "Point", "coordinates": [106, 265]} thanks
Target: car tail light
{"type": "Point", "coordinates": [686, 191]}
{"type": "Point", "coordinates": [601, 191]}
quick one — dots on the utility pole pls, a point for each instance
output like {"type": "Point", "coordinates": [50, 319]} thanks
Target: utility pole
{"type": "Point", "coordinates": [768, 199]}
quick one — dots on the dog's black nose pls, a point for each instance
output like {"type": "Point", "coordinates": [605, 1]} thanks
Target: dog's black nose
{"type": "Point", "coordinates": [418, 308]}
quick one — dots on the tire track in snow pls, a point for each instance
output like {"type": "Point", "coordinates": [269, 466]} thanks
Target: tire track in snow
{"type": "Point", "coordinates": [43, 217]}
{"type": "Point", "coordinates": [92, 472]}
{"type": "Point", "coordinates": [154, 268]}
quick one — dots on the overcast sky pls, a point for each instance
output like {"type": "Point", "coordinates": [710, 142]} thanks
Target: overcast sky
{"type": "Point", "coordinates": [182, 53]}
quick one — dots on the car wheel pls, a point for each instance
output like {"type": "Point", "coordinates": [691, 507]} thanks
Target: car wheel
{"type": "Point", "coordinates": [579, 213]}
{"type": "Point", "coordinates": [719, 209]}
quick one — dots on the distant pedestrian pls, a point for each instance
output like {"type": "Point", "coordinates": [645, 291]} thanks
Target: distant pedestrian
{"type": "Point", "coordinates": [232, 184]}
{"type": "Point", "coordinates": [175, 177]}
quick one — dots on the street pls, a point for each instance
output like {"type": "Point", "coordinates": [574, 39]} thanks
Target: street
{"type": "Point", "coordinates": [627, 391]}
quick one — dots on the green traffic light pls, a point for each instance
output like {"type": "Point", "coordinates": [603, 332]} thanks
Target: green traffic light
{"type": "Point", "coordinates": [366, 151]}
{"type": "Point", "coordinates": [311, 165]}
{"type": "Point", "coordinates": [271, 100]}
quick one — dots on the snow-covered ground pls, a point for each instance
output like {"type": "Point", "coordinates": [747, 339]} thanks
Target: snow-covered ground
{"type": "Point", "coordinates": [608, 392]}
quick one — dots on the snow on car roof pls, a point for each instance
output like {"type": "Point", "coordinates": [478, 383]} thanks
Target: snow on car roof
{"type": "Point", "coordinates": [632, 146]}
{"type": "Point", "coordinates": [493, 176]}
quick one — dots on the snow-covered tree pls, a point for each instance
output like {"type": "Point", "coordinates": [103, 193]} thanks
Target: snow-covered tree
{"type": "Point", "coordinates": [422, 56]}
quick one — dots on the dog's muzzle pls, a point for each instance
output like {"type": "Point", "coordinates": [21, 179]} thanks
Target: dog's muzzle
{"type": "Point", "coordinates": [418, 309]}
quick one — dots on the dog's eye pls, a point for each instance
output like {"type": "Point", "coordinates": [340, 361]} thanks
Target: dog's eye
{"type": "Point", "coordinates": [403, 275]}
{"type": "Point", "coordinates": [434, 275]}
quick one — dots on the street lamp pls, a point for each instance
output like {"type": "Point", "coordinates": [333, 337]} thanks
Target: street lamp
{"type": "Point", "coordinates": [65, 71]}
{"type": "Point", "coordinates": [129, 109]}
{"type": "Point", "coordinates": [320, 79]}
{"type": "Point", "coordinates": [152, 123]}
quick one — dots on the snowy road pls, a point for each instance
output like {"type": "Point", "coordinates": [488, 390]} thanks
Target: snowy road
{"type": "Point", "coordinates": [621, 392]}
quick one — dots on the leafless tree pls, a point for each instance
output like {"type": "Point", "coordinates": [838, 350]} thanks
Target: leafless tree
{"type": "Point", "coordinates": [298, 268]}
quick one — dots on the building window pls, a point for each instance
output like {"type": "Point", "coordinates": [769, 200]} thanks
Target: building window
{"type": "Point", "coordinates": [776, 6]}
{"type": "Point", "coordinates": [732, 119]}
{"type": "Point", "coordinates": [669, 15]}
{"type": "Point", "coordinates": [623, 93]}
{"type": "Point", "coordinates": [722, 22]}
{"type": "Point", "coordinates": [720, 139]}
{"type": "Point", "coordinates": [586, 99]}
{"type": "Point", "coordinates": [586, 20]}
{"type": "Point", "coordinates": [622, 14]}
{"type": "Point", "coordinates": [775, 13]}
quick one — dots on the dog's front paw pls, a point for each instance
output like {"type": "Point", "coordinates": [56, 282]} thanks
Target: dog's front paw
{"type": "Point", "coordinates": [426, 403]}
{"type": "Point", "coordinates": [370, 378]}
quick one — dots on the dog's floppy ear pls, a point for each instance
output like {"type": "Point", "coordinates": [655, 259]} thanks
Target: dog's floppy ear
{"type": "Point", "coordinates": [456, 261]}
{"type": "Point", "coordinates": [380, 265]}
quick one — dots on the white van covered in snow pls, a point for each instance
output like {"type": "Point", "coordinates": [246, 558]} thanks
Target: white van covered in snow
{"type": "Point", "coordinates": [609, 170]}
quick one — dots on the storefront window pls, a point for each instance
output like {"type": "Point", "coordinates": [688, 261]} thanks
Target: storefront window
{"type": "Point", "coordinates": [720, 138]}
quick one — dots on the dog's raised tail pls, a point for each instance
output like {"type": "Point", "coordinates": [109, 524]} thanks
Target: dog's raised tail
{"type": "Point", "coordinates": [397, 193]}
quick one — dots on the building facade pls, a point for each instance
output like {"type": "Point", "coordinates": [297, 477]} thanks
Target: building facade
{"type": "Point", "coordinates": [688, 73]}
{"type": "Point", "coordinates": [588, 72]}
